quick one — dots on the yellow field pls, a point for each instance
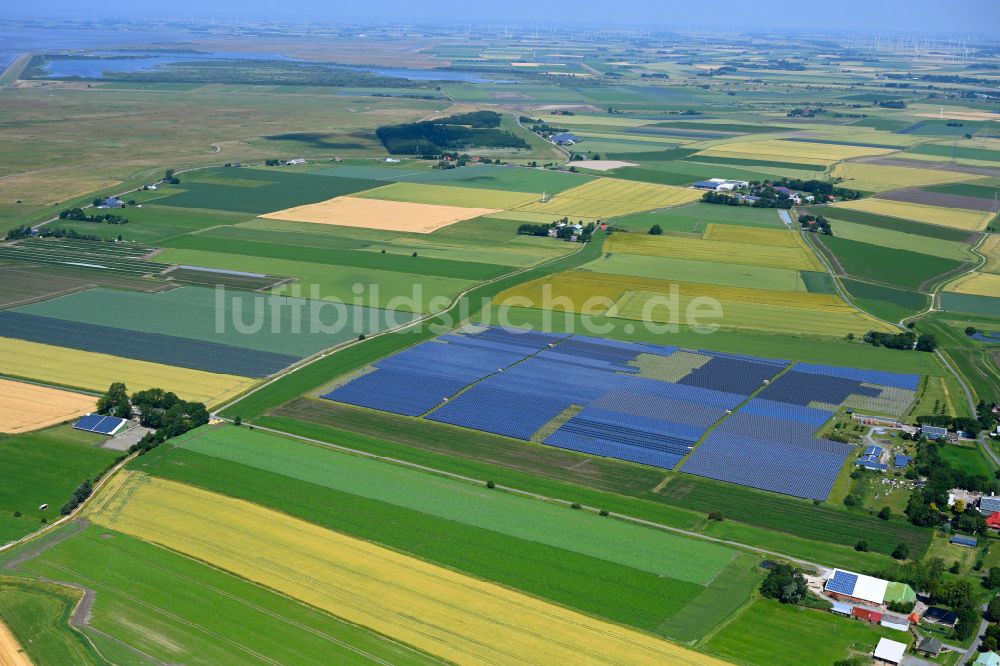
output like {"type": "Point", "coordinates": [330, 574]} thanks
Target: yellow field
{"type": "Point", "coordinates": [797, 257]}
{"type": "Point", "coordinates": [578, 286]}
{"type": "Point", "coordinates": [991, 250]}
{"type": "Point", "coordinates": [25, 407]}
{"type": "Point", "coordinates": [11, 652]}
{"type": "Point", "coordinates": [752, 235]}
{"type": "Point", "coordinates": [946, 217]}
{"type": "Point", "coordinates": [449, 195]}
{"type": "Point", "coordinates": [743, 308]}
{"type": "Point", "coordinates": [980, 284]}
{"type": "Point", "coordinates": [608, 197]}
{"type": "Point", "coordinates": [877, 178]}
{"type": "Point", "coordinates": [92, 371]}
{"type": "Point", "coordinates": [379, 214]}
{"type": "Point", "coordinates": [455, 617]}
{"type": "Point", "coordinates": [754, 316]}
{"type": "Point", "coordinates": [792, 151]}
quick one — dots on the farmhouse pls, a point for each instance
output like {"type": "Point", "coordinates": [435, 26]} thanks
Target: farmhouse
{"type": "Point", "coordinates": [858, 588]}
{"type": "Point", "coordinates": [720, 184]}
{"type": "Point", "coordinates": [297, 160]}
{"type": "Point", "coordinates": [565, 139]}
{"type": "Point", "coordinates": [930, 646]}
{"type": "Point", "coordinates": [987, 659]}
{"type": "Point", "coordinates": [889, 652]}
{"type": "Point", "coordinates": [989, 505]}
{"type": "Point", "coordinates": [933, 432]}
{"type": "Point", "coordinates": [944, 617]}
{"type": "Point", "coordinates": [866, 614]}
{"type": "Point", "coordinates": [112, 202]}
{"type": "Point", "coordinates": [872, 459]}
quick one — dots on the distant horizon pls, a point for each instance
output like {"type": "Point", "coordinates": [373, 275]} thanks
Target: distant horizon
{"type": "Point", "coordinates": [897, 17]}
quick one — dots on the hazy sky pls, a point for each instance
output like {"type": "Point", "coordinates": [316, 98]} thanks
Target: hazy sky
{"type": "Point", "coordinates": [941, 16]}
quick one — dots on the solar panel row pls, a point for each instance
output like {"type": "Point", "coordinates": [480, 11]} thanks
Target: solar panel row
{"type": "Point", "coordinates": [880, 377]}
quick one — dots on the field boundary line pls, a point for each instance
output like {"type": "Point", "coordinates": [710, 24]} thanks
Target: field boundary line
{"type": "Point", "coordinates": [545, 498]}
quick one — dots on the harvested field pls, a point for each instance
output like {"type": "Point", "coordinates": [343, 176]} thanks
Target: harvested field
{"type": "Point", "coordinates": [25, 407]}
{"type": "Point", "coordinates": [95, 372]}
{"type": "Point", "coordinates": [608, 197]}
{"type": "Point", "coordinates": [447, 195]}
{"type": "Point", "coordinates": [11, 652]}
{"type": "Point", "coordinates": [796, 258]}
{"type": "Point", "coordinates": [940, 200]}
{"type": "Point", "coordinates": [450, 615]}
{"type": "Point", "coordinates": [603, 165]}
{"type": "Point", "coordinates": [738, 234]}
{"type": "Point", "coordinates": [979, 284]}
{"type": "Point", "coordinates": [947, 217]}
{"type": "Point", "coordinates": [380, 214]}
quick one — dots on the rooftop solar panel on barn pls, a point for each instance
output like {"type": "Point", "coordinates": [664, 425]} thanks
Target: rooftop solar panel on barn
{"type": "Point", "coordinates": [842, 582]}
{"type": "Point", "coordinates": [102, 425]}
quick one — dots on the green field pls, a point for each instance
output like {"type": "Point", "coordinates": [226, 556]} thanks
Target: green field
{"type": "Point", "coordinates": [684, 493]}
{"type": "Point", "coordinates": [152, 223]}
{"type": "Point", "coordinates": [972, 189]}
{"type": "Point", "coordinates": [970, 303]}
{"type": "Point", "coordinates": [885, 302]}
{"type": "Point", "coordinates": [694, 218]}
{"type": "Point", "coordinates": [899, 240]}
{"type": "Point", "coordinates": [38, 616]}
{"type": "Point", "coordinates": [797, 517]}
{"type": "Point", "coordinates": [892, 223]}
{"type": "Point", "coordinates": [647, 550]}
{"type": "Point", "coordinates": [257, 190]}
{"type": "Point", "coordinates": [44, 468]}
{"type": "Point", "coordinates": [692, 270]}
{"type": "Point", "coordinates": [889, 266]}
{"type": "Point", "coordinates": [250, 321]}
{"type": "Point", "coordinates": [413, 517]}
{"type": "Point", "coordinates": [178, 610]}
{"type": "Point", "coordinates": [948, 150]}
{"type": "Point", "coordinates": [447, 268]}
{"type": "Point", "coordinates": [759, 164]}
{"type": "Point", "coordinates": [969, 460]}
{"type": "Point", "coordinates": [826, 638]}
{"type": "Point", "coordinates": [332, 282]}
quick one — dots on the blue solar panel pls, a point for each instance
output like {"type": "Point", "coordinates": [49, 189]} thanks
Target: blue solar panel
{"type": "Point", "coordinates": [104, 425]}
{"type": "Point", "coordinates": [882, 378]}
{"type": "Point", "coordinates": [842, 582]}
{"type": "Point", "coordinates": [903, 461]}
{"type": "Point", "coordinates": [964, 541]}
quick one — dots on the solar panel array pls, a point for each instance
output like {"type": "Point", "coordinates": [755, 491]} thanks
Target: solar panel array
{"type": "Point", "coordinates": [418, 379]}
{"type": "Point", "coordinates": [100, 424]}
{"type": "Point", "coordinates": [527, 382]}
{"type": "Point", "coordinates": [842, 582]}
{"type": "Point", "coordinates": [591, 395]}
{"type": "Point", "coordinates": [769, 443]}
